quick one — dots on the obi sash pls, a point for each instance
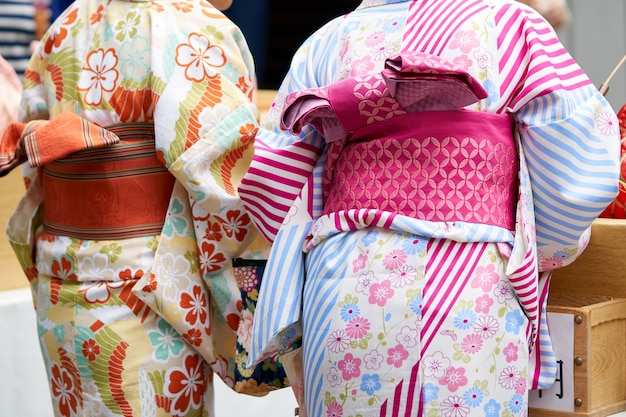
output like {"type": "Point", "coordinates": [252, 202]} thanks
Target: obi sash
{"type": "Point", "coordinates": [441, 166]}
{"type": "Point", "coordinates": [108, 193]}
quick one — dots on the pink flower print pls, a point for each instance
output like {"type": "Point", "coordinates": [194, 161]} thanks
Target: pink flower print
{"type": "Point", "coordinates": [454, 378]}
{"type": "Point", "coordinates": [365, 281]}
{"type": "Point", "coordinates": [350, 367]}
{"type": "Point", "coordinates": [607, 123]}
{"type": "Point", "coordinates": [407, 337]}
{"type": "Point", "coordinates": [244, 330]}
{"type": "Point", "coordinates": [334, 410]}
{"type": "Point", "coordinates": [380, 293]}
{"type": "Point", "coordinates": [507, 377]}
{"type": "Point", "coordinates": [483, 304]}
{"type": "Point", "coordinates": [334, 377]}
{"type": "Point", "coordinates": [373, 360]}
{"type": "Point", "coordinates": [520, 385]}
{"type": "Point", "coordinates": [394, 259]}
{"type": "Point", "coordinates": [99, 76]}
{"type": "Point", "coordinates": [503, 292]}
{"type": "Point", "coordinates": [403, 276]}
{"type": "Point", "coordinates": [453, 406]}
{"type": "Point", "coordinates": [359, 263]}
{"type": "Point", "coordinates": [397, 356]}
{"type": "Point", "coordinates": [510, 352]}
{"type": "Point", "coordinates": [462, 61]}
{"type": "Point", "coordinates": [550, 263]}
{"type": "Point", "coordinates": [472, 343]}
{"type": "Point", "coordinates": [435, 365]}
{"type": "Point", "coordinates": [486, 326]}
{"type": "Point", "coordinates": [483, 58]}
{"type": "Point", "coordinates": [465, 40]}
{"type": "Point", "coordinates": [375, 38]}
{"type": "Point", "coordinates": [357, 328]}
{"type": "Point", "coordinates": [362, 66]}
{"type": "Point", "coordinates": [338, 341]}
{"type": "Point", "coordinates": [485, 278]}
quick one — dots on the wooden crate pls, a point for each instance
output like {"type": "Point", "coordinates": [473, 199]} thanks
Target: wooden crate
{"type": "Point", "coordinates": [598, 360]}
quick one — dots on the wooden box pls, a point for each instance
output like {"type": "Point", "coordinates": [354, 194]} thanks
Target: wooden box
{"type": "Point", "coordinates": [594, 353]}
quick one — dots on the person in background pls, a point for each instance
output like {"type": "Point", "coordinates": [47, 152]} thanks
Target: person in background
{"type": "Point", "coordinates": [11, 88]}
{"type": "Point", "coordinates": [17, 32]}
{"type": "Point", "coordinates": [135, 126]}
{"type": "Point", "coordinates": [424, 167]}
{"type": "Point", "coordinates": [556, 12]}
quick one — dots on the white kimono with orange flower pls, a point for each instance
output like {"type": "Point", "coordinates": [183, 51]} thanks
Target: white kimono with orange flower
{"type": "Point", "coordinates": [136, 117]}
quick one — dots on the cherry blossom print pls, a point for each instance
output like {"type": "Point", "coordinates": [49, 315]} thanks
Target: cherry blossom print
{"type": "Point", "coordinates": [454, 378]}
{"type": "Point", "coordinates": [59, 34]}
{"type": "Point", "coordinates": [430, 392]}
{"type": "Point", "coordinates": [357, 328]}
{"type": "Point", "coordinates": [373, 360]}
{"type": "Point", "coordinates": [463, 61]}
{"type": "Point", "coordinates": [514, 321]}
{"type": "Point", "coordinates": [334, 377]}
{"type": "Point", "coordinates": [607, 123]}
{"type": "Point", "coordinates": [507, 377]}
{"type": "Point", "coordinates": [483, 304]}
{"type": "Point", "coordinates": [365, 281]}
{"type": "Point", "coordinates": [211, 259]}
{"type": "Point", "coordinates": [338, 341]}
{"type": "Point", "coordinates": [359, 263]}
{"type": "Point", "coordinates": [166, 342]}
{"type": "Point", "coordinates": [403, 276]}
{"type": "Point", "coordinates": [65, 393]}
{"type": "Point", "coordinates": [193, 337]}
{"type": "Point", "coordinates": [186, 385]}
{"type": "Point", "coordinates": [96, 17]}
{"type": "Point", "coordinates": [91, 349]}
{"type": "Point", "coordinates": [453, 406]}
{"type": "Point", "coordinates": [503, 292]}
{"type": "Point", "coordinates": [199, 57]}
{"type": "Point", "coordinates": [486, 326]}
{"type": "Point", "coordinates": [465, 40]}
{"type": "Point", "coordinates": [235, 224]}
{"type": "Point", "coordinates": [397, 355]}
{"type": "Point", "coordinates": [471, 344]}
{"type": "Point", "coordinates": [483, 58]}
{"type": "Point", "coordinates": [244, 330]}
{"type": "Point", "coordinates": [63, 269]}
{"type": "Point", "coordinates": [492, 408]}
{"type": "Point", "coordinates": [407, 337]}
{"type": "Point", "coordinates": [380, 293]}
{"type": "Point", "coordinates": [126, 27]}
{"type": "Point", "coordinates": [485, 278]}
{"type": "Point", "coordinates": [195, 305]}
{"type": "Point", "coordinates": [435, 365]}
{"type": "Point", "coordinates": [210, 117]}
{"type": "Point", "coordinates": [134, 56]}
{"type": "Point", "coordinates": [511, 352]}
{"type": "Point", "coordinates": [98, 292]}
{"type": "Point", "coordinates": [362, 66]}
{"type": "Point", "coordinates": [99, 75]}
{"type": "Point", "coordinates": [334, 409]}
{"type": "Point", "coordinates": [97, 267]}
{"type": "Point", "coordinates": [350, 367]}
{"type": "Point", "coordinates": [370, 383]}
{"type": "Point", "coordinates": [175, 270]}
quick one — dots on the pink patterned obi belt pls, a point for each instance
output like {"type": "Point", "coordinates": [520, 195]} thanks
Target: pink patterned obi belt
{"type": "Point", "coordinates": [114, 192]}
{"type": "Point", "coordinates": [441, 166]}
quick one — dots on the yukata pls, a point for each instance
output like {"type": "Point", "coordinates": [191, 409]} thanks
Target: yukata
{"type": "Point", "coordinates": [136, 123]}
{"type": "Point", "coordinates": [406, 302]}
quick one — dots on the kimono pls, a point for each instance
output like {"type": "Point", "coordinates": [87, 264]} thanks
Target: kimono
{"type": "Point", "coordinates": [136, 124]}
{"type": "Point", "coordinates": [402, 311]}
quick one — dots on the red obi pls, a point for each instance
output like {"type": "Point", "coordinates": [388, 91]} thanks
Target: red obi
{"type": "Point", "coordinates": [114, 192]}
{"type": "Point", "coordinates": [441, 166]}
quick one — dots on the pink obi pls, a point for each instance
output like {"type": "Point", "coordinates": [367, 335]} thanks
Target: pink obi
{"type": "Point", "coordinates": [441, 166]}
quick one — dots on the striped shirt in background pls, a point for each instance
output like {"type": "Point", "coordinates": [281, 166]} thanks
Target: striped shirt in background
{"type": "Point", "coordinates": [17, 31]}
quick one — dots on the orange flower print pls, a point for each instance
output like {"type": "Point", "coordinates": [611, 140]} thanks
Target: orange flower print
{"type": "Point", "coordinates": [187, 385]}
{"type": "Point", "coordinates": [64, 391]}
{"type": "Point", "coordinates": [183, 7]}
{"type": "Point", "coordinates": [193, 337]}
{"type": "Point", "coordinates": [59, 34]}
{"type": "Point", "coordinates": [247, 132]}
{"type": "Point", "coordinates": [97, 16]}
{"type": "Point", "coordinates": [235, 224]}
{"type": "Point", "coordinates": [199, 57]}
{"type": "Point", "coordinates": [213, 231]}
{"type": "Point", "coordinates": [99, 76]}
{"type": "Point", "coordinates": [210, 258]}
{"type": "Point", "coordinates": [195, 304]}
{"type": "Point", "coordinates": [63, 268]}
{"type": "Point", "coordinates": [91, 349]}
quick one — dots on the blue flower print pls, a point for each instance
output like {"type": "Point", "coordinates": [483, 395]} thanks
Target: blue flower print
{"type": "Point", "coordinates": [492, 409]}
{"type": "Point", "coordinates": [416, 305]}
{"type": "Point", "coordinates": [59, 333]}
{"type": "Point", "coordinates": [370, 383]}
{"type": "Point", "coordinates": [370, 237]}
{"type": "Point", "coordinates": [514, 320]}
{"type": "Point", "coordinates": [414, 244]}
{"type": "Point", "coordinates": [490, 87]}
{"type": "Point", "coordinates": [465, 319]}
{"type": "Point", "coordinates": [351, 27]}
{"type": "Point", "coordinates": [166, 342]}
{"type": "Point", "coordinates": [562, 255]}
{"type": "Point", "coordinates": [516, 403]}
{"type": "Point", "coordinates": [430, 392]}
{"type": "Point", "coordinates": [473, 397]}
{"type": "Point", "coordinates": [349, 311]}
{"type": "Point", "coordinates": [174, 221]}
